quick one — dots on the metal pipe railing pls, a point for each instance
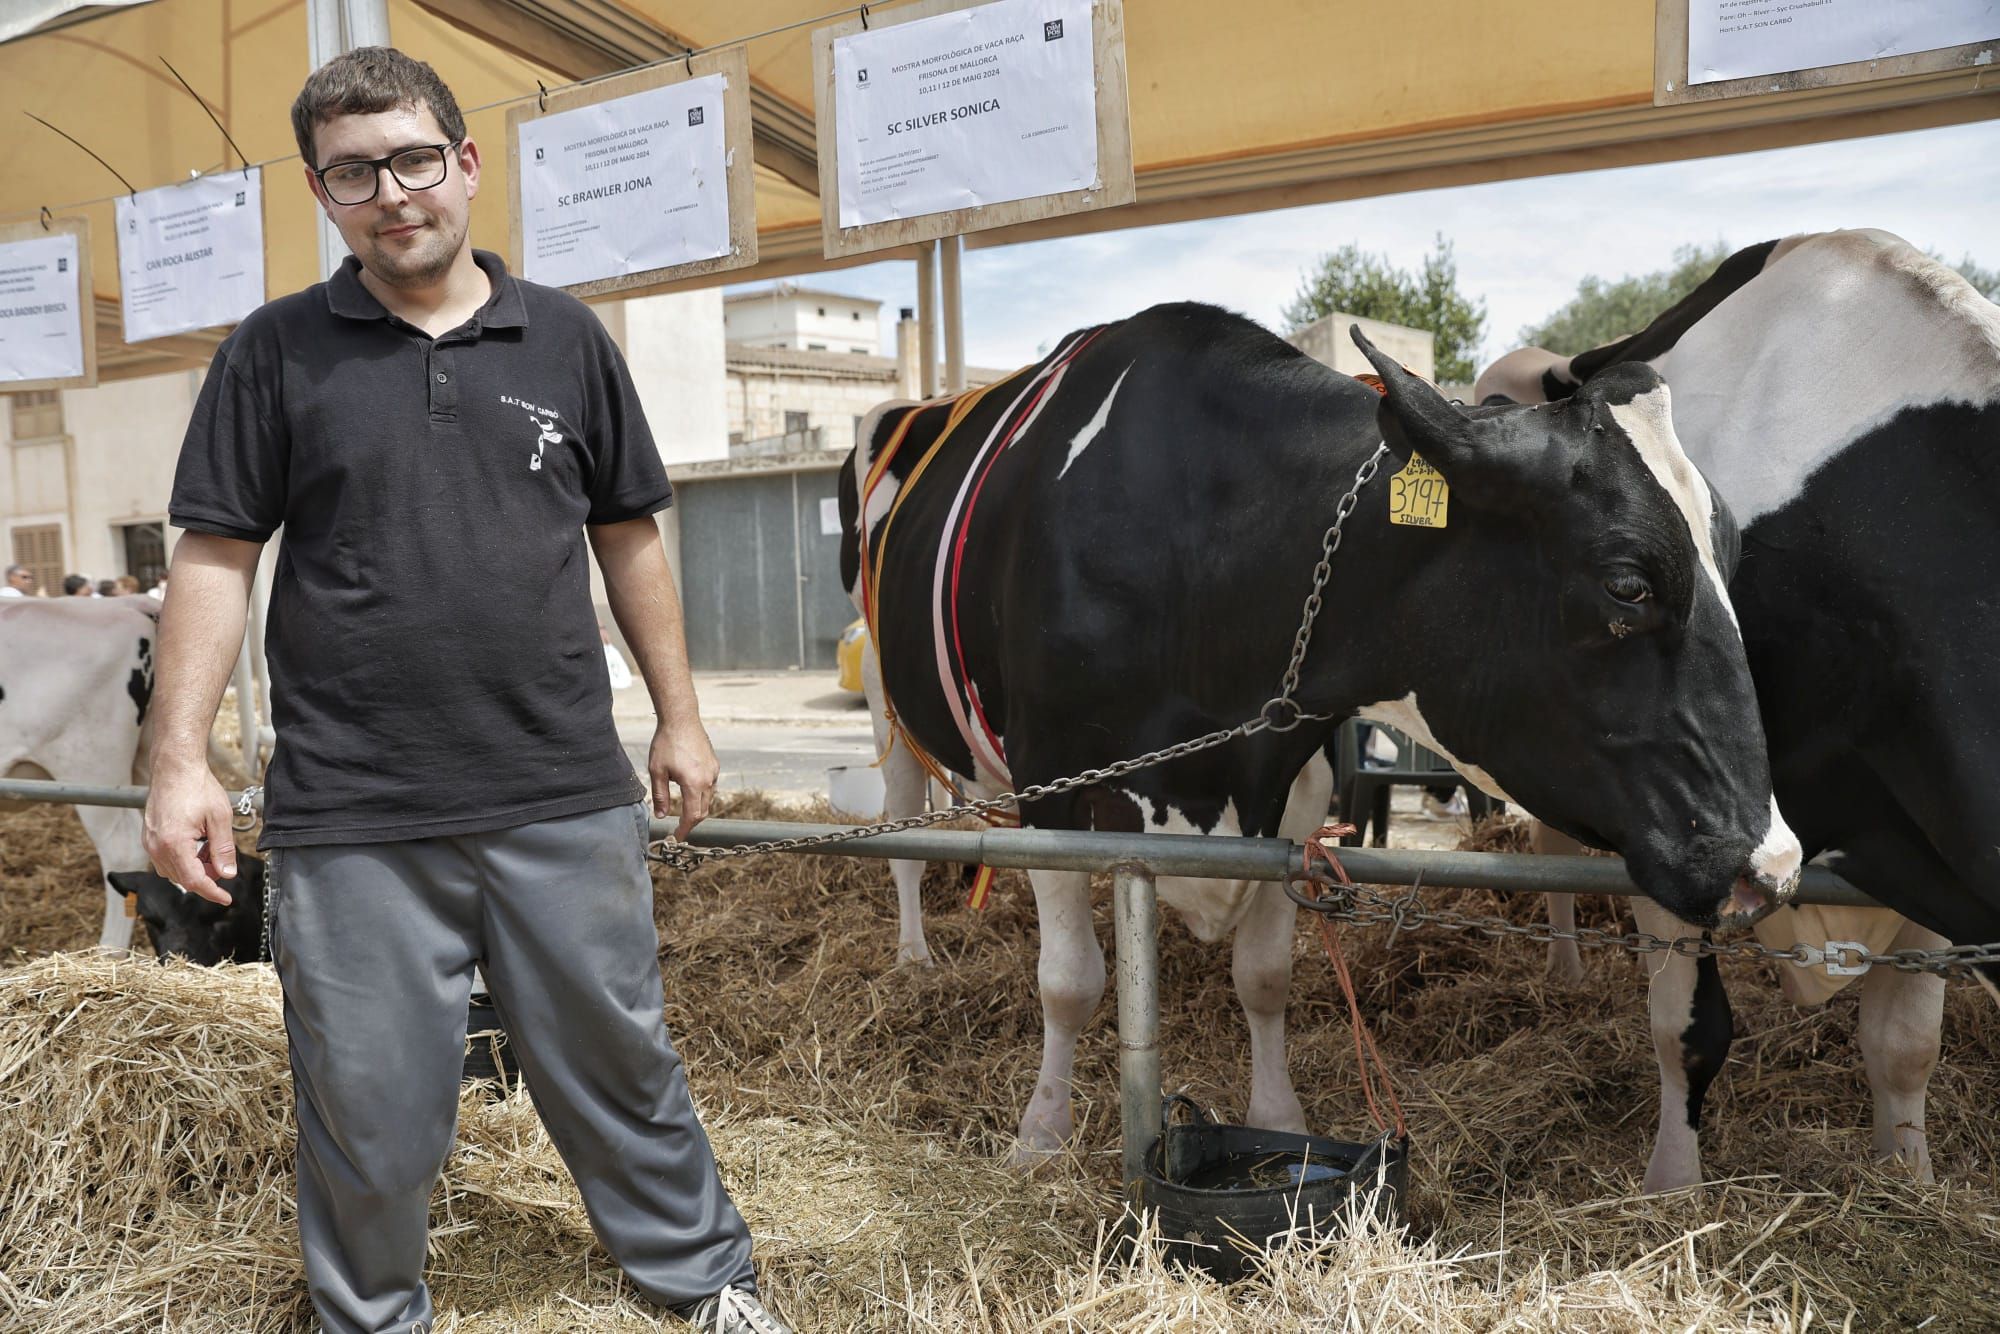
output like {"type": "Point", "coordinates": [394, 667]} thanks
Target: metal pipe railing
{"type": "Point", "coordinates": [1161, 854]}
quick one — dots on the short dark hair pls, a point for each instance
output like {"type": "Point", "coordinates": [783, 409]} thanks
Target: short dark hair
{"type": "Point", "coordinates": [367, 80]}
{"type": "Point", "coordinates": [72, 583]}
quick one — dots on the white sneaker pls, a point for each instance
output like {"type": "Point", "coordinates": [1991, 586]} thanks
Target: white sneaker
{"type": "Point", "coordinates": [735, 1311]}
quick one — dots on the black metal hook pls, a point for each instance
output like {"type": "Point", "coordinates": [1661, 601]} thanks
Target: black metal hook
{"type": "Point", "coordinates": [130, 188]}
{"type": "Point", "coordinates": [542, 94]}
{"type": "Point", "coordinates": [46, 215]}
{"type": "Point", "coordinates": [690, 62]}
{"type": "Point", "coordinates": [864, 18]}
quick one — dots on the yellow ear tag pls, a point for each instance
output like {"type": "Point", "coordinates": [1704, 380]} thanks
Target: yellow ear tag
{"type": "Point", "coordinates": [1418, 495]}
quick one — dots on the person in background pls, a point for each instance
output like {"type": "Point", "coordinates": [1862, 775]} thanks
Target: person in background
{"type": "Point", "coordinates": [124, 586]}
{"type": "Point", "coordinates": [19, 583]}
{"type": "Point", "coordinates": [107, 588]}
{"type": "Point", "coordinates": [158, 591]}
{"type": "Point", "coordinates": [77, 586]}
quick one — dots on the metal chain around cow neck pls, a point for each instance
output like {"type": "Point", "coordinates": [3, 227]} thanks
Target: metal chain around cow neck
{"type": "Point", "coordinates": [1280, 713]}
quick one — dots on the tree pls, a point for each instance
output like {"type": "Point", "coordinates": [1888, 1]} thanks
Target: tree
{"type": "Point", "coordinates": [1603, 312]}
{"type": "Point", "coordinates": [1985, 279]}
{"type": "Point", "coordinates": [1354, 282]}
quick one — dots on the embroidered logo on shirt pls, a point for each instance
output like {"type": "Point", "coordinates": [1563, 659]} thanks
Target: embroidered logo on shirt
{"type": "Point", "coordinates": [545, 424]}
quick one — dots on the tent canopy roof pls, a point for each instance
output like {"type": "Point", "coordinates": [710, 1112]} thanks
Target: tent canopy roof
{"type": "Point", "coordinates": [1286, 102]}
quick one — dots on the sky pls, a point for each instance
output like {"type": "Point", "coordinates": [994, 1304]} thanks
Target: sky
{"type": "Point", "coordinates": [1523, 245]}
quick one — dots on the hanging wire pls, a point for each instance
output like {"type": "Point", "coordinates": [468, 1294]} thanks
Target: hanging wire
{"type": "Point", "coordinates": [540, 96]}
{"type": "Point", "coordinates": [240, 154]}
{"type": "Point", "coordinates": [86, 148]}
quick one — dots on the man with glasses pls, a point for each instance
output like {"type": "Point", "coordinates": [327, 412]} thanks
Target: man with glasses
{"type": "Point", "coordinates": [436, 438]}
{"type": "Point", "coordinates": [20, 582]}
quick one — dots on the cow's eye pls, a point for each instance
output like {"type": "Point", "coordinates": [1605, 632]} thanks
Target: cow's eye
{"type": "Point", "coordinates": [1628, 587]}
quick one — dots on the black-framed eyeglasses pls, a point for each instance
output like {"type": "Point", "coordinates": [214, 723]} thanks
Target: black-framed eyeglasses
{"type": "Point", "coordinates": [421, 168]}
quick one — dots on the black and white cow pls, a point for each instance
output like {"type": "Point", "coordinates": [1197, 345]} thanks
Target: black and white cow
{"type": "Point", "coordinates": [189, 926]}
{"type": "Point", "coordinates": [76, 680]}
{"type": "Point", "coordinates": [1842, 393]}
{"type": "Point", "coordinates": [1108, 552]}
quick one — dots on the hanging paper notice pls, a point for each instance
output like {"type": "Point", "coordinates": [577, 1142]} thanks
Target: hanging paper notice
{"type": "Point", "coordinates": [41, 324]}
{"type": "Point", "coordinates": [625, 186]}
{"type": "Point", "coordinates": [191, 256]}
{"type": "Point", "coordinates": [1738, 39]}
{"type": "Point", "coordinates": [976, 107]}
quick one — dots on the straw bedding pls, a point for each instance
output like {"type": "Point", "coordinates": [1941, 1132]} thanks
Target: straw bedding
{"type": "Point", "coordinates": [859, 1113]}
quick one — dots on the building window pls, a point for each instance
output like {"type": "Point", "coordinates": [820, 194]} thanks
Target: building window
{"type": "Point", "coordinates": [860, 350]}
{"type": "Point", "coordinates": [145, 547]}
{"type": "Point", "coordinates": [37, 414]}
{"type": "Point", "coordinates": [822, 310]}
{"type": "Point", "coordinates": [857, 315]}
{"type": "Point", "coordinates": [795, 423]}
{"type": "Point", "coordinates": [39, 547]}
{"type": "Point", "coordinates": [815, 347]}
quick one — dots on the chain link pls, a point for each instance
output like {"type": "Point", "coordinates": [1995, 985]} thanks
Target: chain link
{"type": "Point", "coordinates": [246, 809]}
{"type": "Point", "coordinates": [1280, 713]}
{"type": "Point", "coordinates": [1366, 907]}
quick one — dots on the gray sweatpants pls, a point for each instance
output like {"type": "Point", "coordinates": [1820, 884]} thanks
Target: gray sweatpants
{"type": "Point", "coordinates": [376, 943]}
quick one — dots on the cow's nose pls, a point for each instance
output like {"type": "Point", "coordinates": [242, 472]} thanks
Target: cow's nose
{"type": "Point", "coordinates": [1777, 859]}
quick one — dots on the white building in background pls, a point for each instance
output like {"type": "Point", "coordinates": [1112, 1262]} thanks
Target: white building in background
{"type": "Point", "coordinates": [804, 319]}
{"type": "Point", "coordinates": [1327, 340]}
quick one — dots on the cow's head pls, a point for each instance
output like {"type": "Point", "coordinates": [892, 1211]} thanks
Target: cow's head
{"type": "Point", "coordinates": [189, 925]}
{"type": "Point", "coordinates": [1578, 647]}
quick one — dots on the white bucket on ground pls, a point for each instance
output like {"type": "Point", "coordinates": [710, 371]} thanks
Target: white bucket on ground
{"type": "Point", "coordinates": [856, 790]}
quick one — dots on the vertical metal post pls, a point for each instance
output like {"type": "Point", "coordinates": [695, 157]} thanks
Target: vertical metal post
{"type": "Point", "coordinates": [1136, 927]}
{"type": "Point", "coordinates": [246, 709]}
{"type": "Point", "coordinates": [927, 341]}
{"type": "Point", "coordinates": [334, 26]}
{"type": "Point", "coordinates": [954, 314]}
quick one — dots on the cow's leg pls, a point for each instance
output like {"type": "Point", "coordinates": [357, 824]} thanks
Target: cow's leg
{"type": "Point", "coordinates": [1263, 961]}
{"type": "Point", "coordinates": [1263, 972]}
{"type": "Point", "coordinates": [1071, 975]}
{"type": "Point", "coordinates": [1902, 1015]}
{"type": "Point", "coordinates": [905, 784]}
{"type": "Point", "coordinates": [1565, 964]}
{"type": "Point", "coordinates": [1691, 1034]}
{"type": "Point", "coordinates": [120, 839]}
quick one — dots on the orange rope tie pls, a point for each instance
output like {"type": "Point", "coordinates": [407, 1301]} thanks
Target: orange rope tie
{"type": "Point", "coordinates": [1368, 1059]}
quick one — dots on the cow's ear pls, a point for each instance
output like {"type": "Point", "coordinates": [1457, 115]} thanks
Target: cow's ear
{"type": "Point", "coordinates": [156, 894]}
{"type": "Point", "coordinates": [1491, 457]}
{"type": "Point", "coordinates": [1414, 417]}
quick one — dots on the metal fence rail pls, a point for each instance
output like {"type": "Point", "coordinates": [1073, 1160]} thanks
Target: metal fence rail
{"type": "Point", "coordinates": [1138, 860]}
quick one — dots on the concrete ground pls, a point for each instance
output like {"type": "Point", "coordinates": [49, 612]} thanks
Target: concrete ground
{"type": "Point", "coordinates": [774, 732]}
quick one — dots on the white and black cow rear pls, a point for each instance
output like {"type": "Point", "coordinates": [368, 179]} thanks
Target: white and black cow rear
{"type": "Point", "coordinates": [76, 679]}
{"type": "Point", "coordinates": [1842, 393]}
{"type": "Point", "coordinates": [1107, 553]}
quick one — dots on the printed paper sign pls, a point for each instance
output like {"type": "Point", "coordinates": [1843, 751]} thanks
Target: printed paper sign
{"type": "Point", "coordinates": [41, 323]}
{"type": "Point", "coordinates": [191, 256]}
{"type": "Point", "coordinates": [829, 516]}
{"type": "Point", "coordinates": [965, 109]}
{"type": "Point", "coordinates": [625, 186]}
{"type": "Point", "coordinates": [1738, 39]}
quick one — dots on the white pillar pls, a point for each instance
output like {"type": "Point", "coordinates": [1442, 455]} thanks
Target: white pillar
{"type": "Point", "coordinates": [927, 340]}
{"type": "Point", "coordinates": [954, 315]}
{"type": "Point", "coordinates": [334, 26]}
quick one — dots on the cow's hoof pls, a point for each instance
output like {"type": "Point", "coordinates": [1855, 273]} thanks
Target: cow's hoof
{"type": "Point", "coordinates": [1289, 1120]}
{"type": "Point", "coordinates": [1031, 1160]}
{"type": "Point", "coordinates": [1565, 963]}
{"type": "Point", "coordinates": [1909, 1150]}
{"type": "Point", "coordinates": [914, 957]}
{"type": "Point", "coordinates": [1663, 1177]}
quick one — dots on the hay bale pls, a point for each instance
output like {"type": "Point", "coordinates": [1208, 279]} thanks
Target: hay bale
{"type": "Point", "coordinates": [859, 1111]}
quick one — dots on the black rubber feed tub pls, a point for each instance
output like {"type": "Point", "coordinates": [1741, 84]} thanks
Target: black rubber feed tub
{"type": "Point", "coordinates": [1224, 1195]}
{"type": "Point", "coordinates": [488, 1056]}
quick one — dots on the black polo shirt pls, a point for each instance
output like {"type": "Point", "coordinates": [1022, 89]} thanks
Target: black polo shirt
{"type": "Point", "coordinates": [435, 662]}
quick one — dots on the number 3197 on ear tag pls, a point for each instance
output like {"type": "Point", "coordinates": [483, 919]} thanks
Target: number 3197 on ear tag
{"type": "Point", "coordinates": [1418, 495]}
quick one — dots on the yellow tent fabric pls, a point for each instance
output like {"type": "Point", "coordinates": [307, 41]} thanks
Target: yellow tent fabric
{"type": "Point", "coordinates": [1258, 104]}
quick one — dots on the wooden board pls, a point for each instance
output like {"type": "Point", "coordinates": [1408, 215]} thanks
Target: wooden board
{"type": "Point", "coordinates": [1114, 141]}
{"type": "Point", "coordinates": [733, 64]}
{"type": "Point", "coordinates": [1670, 65]}
{"type": "Point", "coordinates": [86, 299]}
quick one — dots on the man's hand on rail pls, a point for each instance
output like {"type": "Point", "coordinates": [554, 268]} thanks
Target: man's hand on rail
{"type": "Point", "coordinates": [682, 755]}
